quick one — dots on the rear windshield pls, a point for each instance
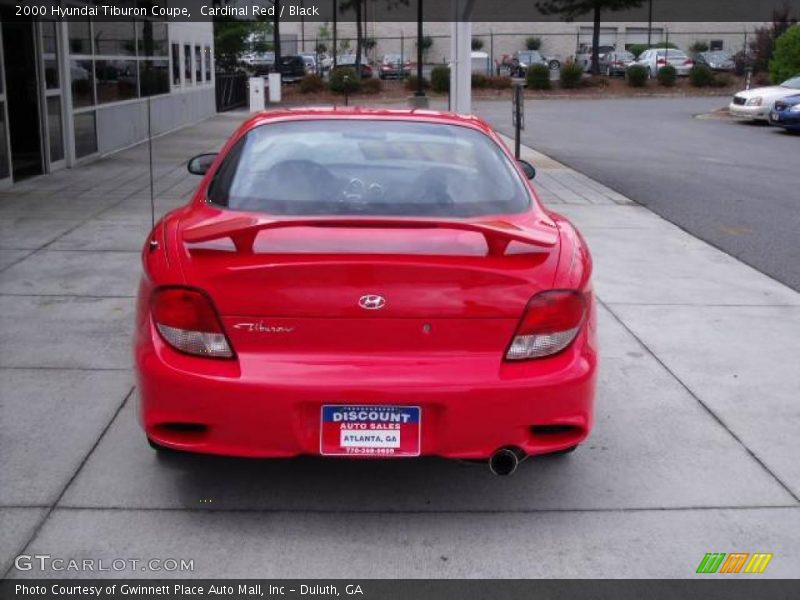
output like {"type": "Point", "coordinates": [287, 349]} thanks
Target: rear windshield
{"type": "Point", "coordinates": [366, 167]}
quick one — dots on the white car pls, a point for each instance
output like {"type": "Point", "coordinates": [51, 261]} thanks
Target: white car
{"type": "Point", "coordinates": [655, 58]}
{"type": "Point", "coordinates": [757, 103]}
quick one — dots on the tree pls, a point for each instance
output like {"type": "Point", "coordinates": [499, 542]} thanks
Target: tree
{"type": "Point", "coordinates": [570, 9]}
{"type": "Point", "coordinates": [763, 44]}
{"type": "Point", "coordinates": [230, 40]}
{"type": "Point", "coordinates": [533, 43]}
{"type": "Point", "coordinates": [477, 44]}
{"type": "Point", "coordinates": [785, 61]}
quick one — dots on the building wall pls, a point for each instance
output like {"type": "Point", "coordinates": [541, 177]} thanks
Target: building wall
{"type": "Point", "coordinates": [189, 100]}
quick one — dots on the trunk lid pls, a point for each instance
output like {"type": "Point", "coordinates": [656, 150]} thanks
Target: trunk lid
{"type": "Point", "coordinates": [355, 288]}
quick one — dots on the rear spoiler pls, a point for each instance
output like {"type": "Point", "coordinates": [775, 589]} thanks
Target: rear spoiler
{"type": "Point", "coordinates": [243, 231]}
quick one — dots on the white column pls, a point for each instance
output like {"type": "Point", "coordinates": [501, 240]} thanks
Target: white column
{"type": "Point", "coordinates": [460, 53]}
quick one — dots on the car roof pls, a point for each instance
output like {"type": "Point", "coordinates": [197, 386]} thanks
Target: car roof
{"type": "Point", "coordinates": [356, 112]}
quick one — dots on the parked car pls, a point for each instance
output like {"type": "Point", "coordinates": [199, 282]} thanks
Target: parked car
{"type": "Point", "coordinates": [394, 66]}
{"type": "Point", "coordinates": [366, 283]}
{"type": "Point", "coordinates": [310, 61]}
{"type": "Point", "coordinates": [616, 62]}
{"type": "Point", "coordinates": [518, 63]}
{"type": "Point", "coordinates": [262, 62]}
{"type": "Point", "coordinates": [786, 113]}
{"type": "Point", "coordinates": [349, 60]}
{"type": "Point", "coordinates": [655, 58]}
{"type": "Point", "coordinates": [292, 68]}
{"type": "Point", "coordinates": [718, 60]}
{"type": "Point", "coordinates": [583, 56]}
{"type": "Point", "coordinates": [757, 103]}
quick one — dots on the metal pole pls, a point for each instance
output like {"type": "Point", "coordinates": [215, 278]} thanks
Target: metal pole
{"type": "Point", "coordinates": [335, 7]}
{"type": "Point", "coordinates": [420, 88]}
{"type": "Point", "coordinates": [649, 22]}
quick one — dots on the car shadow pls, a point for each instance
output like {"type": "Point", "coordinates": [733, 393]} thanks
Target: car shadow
{"type": "Point", "coordinates": [328, 484]}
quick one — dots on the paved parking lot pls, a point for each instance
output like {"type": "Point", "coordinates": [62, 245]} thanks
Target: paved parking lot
{"type": "Point", "coordinates": [731, 183]}
{"type": "Point", "coordinates": [695, 448]}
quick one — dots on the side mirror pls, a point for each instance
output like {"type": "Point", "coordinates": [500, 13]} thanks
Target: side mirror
{"type": "Point", "coordinates": [200, 164]}
{"type": "Point", "coordinates": [527, 168]}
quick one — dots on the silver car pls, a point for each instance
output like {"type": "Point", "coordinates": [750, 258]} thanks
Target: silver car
{"type": "Point", "coordinates": [655, 58]}
{"type": "Point", "coordinates": [616, 62]}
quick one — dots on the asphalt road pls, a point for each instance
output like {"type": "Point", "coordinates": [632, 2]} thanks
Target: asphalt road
{"type": "Point", "coordinates": [735, 185]}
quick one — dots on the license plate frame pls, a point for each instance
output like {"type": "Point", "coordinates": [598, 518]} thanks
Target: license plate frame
{"type": "Point", "coordinates": [368, 431]}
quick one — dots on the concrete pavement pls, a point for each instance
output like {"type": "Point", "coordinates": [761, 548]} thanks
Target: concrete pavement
{"type": "Point", "coordinates": [694, 449]}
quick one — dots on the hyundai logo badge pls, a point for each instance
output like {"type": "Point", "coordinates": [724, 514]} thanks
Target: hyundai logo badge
{"type": "Point", "coordinates": [372, 302]}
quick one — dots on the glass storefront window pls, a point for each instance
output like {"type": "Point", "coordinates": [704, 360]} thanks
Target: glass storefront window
{"type": "Point", "coordinates": [154, 76]}
{"type": "Point", "coordinates": [85, 134]}
{"type": "Point", "coordinates": [187, 63]}
{"type": "Point", "coordinates": [176, 64]}
{"type": "Point", "coordinates": [80, 39]}
{"type": "Point", "coordinates": [152, 37]}
{"type": "Point", "coordinates": [198, 65]}
{"type": "Point", "coordinates": [55, 128]}
{"type": "Point", "coordinates": [208, 63]}
{"type": "Point", "coordinates": [116, 80]}
{"type": "Point", "coordinates": [3, 148]}
{"type": "Point", "coordinates": [50, 55]}
{"type": "Point", "coordinates": [114, 38]}
{"type": "Point", "coordinates": [82, 77]}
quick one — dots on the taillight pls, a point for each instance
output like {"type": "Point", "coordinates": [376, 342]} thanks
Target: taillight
{"type": "Point", "coordinates": [551, 321]}
{"type": "Point", "coordinates": [688, 62]}
{"type": "Point", "coordinates": [661, 61]}
{"type": "Point", "coordinates": [188, 321]}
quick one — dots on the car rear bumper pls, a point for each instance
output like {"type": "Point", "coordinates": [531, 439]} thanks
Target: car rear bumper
{"type": "Point", "coordinates": [471, 405]}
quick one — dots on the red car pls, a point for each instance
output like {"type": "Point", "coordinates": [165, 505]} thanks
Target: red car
{"type": "Point", "coordinates": [366, 283]}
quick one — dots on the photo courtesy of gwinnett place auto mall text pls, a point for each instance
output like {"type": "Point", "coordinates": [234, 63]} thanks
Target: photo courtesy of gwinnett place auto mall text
{"type": "Point", "coordinates": [400, 299]}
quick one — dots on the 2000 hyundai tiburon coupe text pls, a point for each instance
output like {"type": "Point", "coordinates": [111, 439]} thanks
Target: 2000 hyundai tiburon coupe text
{"type": "Point", "coordinates": [366, 283]}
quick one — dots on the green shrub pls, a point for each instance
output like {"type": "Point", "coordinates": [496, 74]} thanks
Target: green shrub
{"type": "Point", "coordinates": [411, 83]}
{"type": "Point", "coordinates": [311, 84]}
{"type": "Point", "coordinates": [373, 85]}
{"type": "Point", "coordinates": [637, 76]}
{"type": "Point", "coordinates": [477, 44]}
{"type": "Point", "coordinates": [571, 75]}
{"type": "Point", "coordinates": [500, 82]}
{"type": "Point", "coordinates": [440, 79]}
{"type": "Point", "coordinates": [533, 43]}
{"type": "Point", "coordinates": [480, 81]}
{"type": "Point", "coordinates": [538, 77]}
{"type": "Point", "coordinates": [667, 76]}
{"type": "Point", "coordinates": [701, 76]}
{"type": "Point", "coordinates": [343, 80]}
{"type": "Point", "coordinates": [698, 46]}
{"type": "Point", "coordinates": [785, 61]}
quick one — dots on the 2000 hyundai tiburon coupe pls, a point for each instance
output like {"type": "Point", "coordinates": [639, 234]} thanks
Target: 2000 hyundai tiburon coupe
{"type": "Point", "coordinates": [366, 283]}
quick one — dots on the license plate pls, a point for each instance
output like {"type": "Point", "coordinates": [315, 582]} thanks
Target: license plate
{"type": "Point", "coordinates": [370, 430]}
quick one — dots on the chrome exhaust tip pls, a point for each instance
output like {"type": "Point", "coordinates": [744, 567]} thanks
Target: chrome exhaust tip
{"type": "Point", "coordinates": [505, 461]}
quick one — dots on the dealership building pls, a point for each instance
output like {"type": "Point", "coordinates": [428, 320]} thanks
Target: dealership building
{"type": "Point", "coordinates": [71, 91]}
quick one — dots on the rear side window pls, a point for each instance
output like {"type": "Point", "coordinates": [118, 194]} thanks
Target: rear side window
{"type": "Point", "coordinates": [368, 167]}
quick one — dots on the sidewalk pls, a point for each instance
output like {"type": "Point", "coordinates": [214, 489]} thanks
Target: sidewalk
{"type": "Point", "coordinates": [695, 447]}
